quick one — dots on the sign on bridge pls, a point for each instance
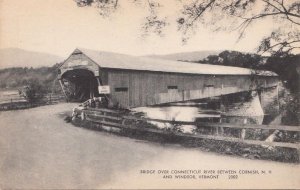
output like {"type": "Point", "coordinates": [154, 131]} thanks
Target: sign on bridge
{"type": "Point", "coordinates": [104, 89]}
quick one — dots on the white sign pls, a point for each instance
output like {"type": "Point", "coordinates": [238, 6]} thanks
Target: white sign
{"type": "Point", "coordinates": [104, 89]}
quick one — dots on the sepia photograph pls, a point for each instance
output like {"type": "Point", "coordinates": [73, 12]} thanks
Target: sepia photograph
{"type": "Point", "coordinates": [150, 94]}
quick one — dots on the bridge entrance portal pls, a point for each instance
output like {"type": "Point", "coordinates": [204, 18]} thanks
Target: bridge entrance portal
{"type": "Point", "coordinates": [79, 85]}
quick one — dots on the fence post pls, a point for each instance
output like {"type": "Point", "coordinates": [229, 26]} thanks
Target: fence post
{"type": "Point", "coordinates": [50, 99]}
{"type": "Point", "coordinates": [104, 113]}
{"type": "Point", "coordinates": [278, 101]}
{"type": "Point", "coordinates": [243, 131]}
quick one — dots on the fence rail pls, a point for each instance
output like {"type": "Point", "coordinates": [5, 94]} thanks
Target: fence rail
{"type": "Point", "coordinates": [19, 102]}
{"type": "Point", "coordinates": [115, 119]}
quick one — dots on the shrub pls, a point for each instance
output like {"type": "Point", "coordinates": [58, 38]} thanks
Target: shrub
{"type": "Point", "coordinates": [33, 92]}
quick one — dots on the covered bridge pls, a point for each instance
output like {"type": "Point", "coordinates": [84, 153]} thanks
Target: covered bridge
{"type": "Point", "coordinates": [132, 81]}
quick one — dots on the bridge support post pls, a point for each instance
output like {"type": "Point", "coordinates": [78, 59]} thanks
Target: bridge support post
{"type": "Point", "coordinates": [248, 108]}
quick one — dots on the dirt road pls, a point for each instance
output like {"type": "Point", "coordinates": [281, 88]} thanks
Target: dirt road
{"type": "Point", "coordinates": [39, 150]}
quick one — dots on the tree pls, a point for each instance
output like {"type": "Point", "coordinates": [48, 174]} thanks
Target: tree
{"type": "Point", "coordinates": [223, 15]}
{"type": "Point", "coordinates": [288, 69]}
{"type": "Point", "coordinates": [235, 58]}
{"type": "Point", "coordinates": [33, 91]}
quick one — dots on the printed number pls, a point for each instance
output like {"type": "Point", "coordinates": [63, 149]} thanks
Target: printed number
{"type": "Point", "coordinates": [233, 176]}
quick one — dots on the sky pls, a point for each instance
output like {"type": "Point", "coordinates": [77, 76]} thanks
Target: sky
{"type": "Point", "coordinates": [59, 26]}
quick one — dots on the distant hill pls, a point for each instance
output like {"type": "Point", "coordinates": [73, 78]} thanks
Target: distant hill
{"type": "Point", "coordinates": [14, 57]}
{"type": "Point", "coordinates": [16, 77]}
{"type": "Point", "coordinates": [186, 56]}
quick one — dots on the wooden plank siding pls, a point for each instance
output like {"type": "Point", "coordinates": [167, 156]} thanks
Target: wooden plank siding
{"type": "Point", "coordinates": [150, 87]}
{"type": "Point", "coordinates": [146, 88]}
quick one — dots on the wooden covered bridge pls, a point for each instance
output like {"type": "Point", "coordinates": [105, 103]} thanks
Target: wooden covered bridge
{"type": "Point", "coordinates": [132, 81]}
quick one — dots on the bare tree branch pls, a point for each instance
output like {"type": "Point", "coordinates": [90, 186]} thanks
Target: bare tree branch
{"type": "Point", "coordinates": [204, 12]}
{"type": "Point", "coordinates": [280, 45]}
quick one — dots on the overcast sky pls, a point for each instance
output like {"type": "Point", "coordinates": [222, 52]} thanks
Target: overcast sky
{"type": "Point", "coordinates": [59, 26]}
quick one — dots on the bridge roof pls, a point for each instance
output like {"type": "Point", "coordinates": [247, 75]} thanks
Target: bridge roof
{"type": "Point", "coordinates": [122, 61]}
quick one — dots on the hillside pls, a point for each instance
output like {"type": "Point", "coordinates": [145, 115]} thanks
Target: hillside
{"type": "Point", "coordinates": [11, 78]}
{"type": "Point", "coordinates": [14, 57]}
{"type": "Point", "coordinates": [186, 56]}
